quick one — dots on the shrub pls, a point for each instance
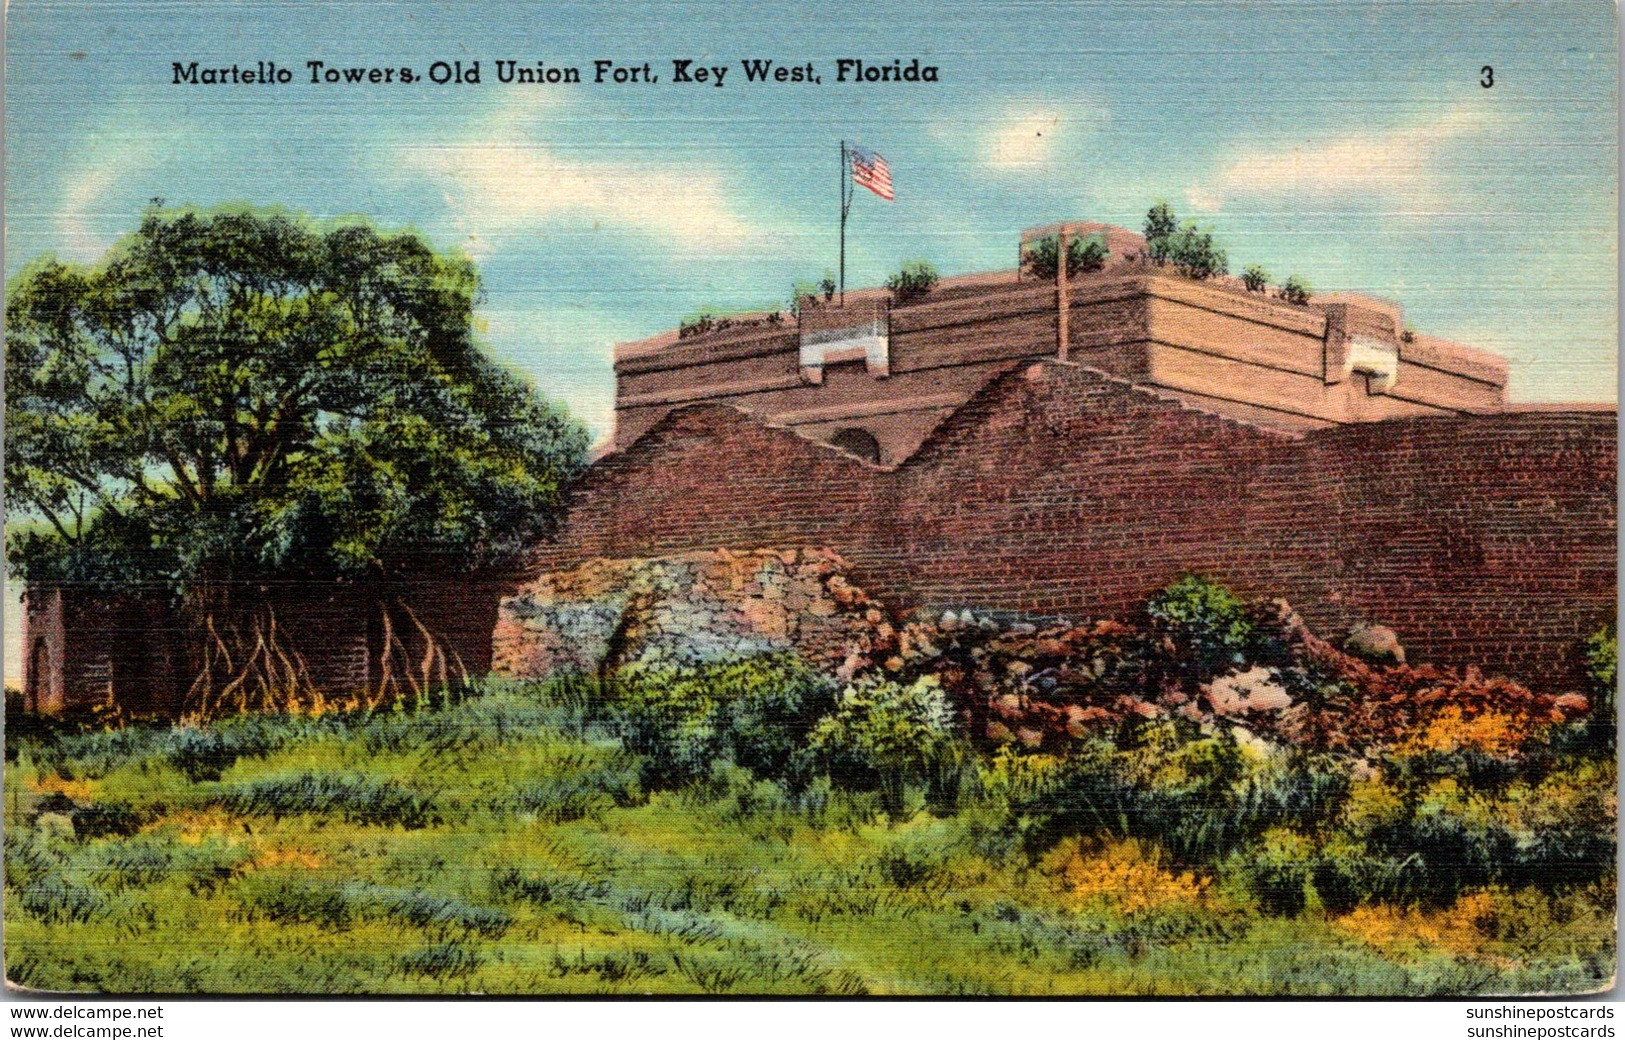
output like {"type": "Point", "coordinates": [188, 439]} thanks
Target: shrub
{"type": "Point", "coordinates": [1207, 625]}
{"type": "Point", "coordinates": [100, 819]}
{"type": "Point", "coordinates": [803, 292]}
{"type": "Point", "coordinates": [915, 277]}
{"type": "Point", "coordinates": [1295, 290]}
{"type": "Point", "coordinates": [1082, 254]}
{"type": "Point", "coordinates": [1602, 669]}
{"type": "Point", "coordinates": [1160, 222]}
{"type": "Point", "coordinates": [1277, 870]}
{"type": "Point", "coordinates": [886, 736]}
{"type": "Point", "coordinates": [1190, 250]}
{"type": "Point", "coordinates": [1255, 278]}
{"type": "Point", "coordinates": [754, 711]}
{"type": "Point", "coordinates": [1194, 254]}
{"type": "Point", "coordinates": [442, 960]}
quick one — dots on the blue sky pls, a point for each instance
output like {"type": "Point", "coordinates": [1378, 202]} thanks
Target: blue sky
{"type": "Point", "coordinates": [1349, 143]}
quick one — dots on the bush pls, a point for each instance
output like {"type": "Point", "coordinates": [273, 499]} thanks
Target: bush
{"type": "Point", "coordinates": [1190, 250]}
{"type": "Point", "coordinates": [1602, 664]}
{"type": "Point", "coordinates": [915, 277]}
{"type": "Point", "coordinates": [1160, 222]}
{"type": "Point", "coordinates": [755, 712]}
{"type": "Point", "coordinates": [442, 960]}
{"type": "Point", "coordinates": [887, 737]}
{"type": "Point", "coordinates": [1207, 625]}
{"type": "Point", "coordinates": [1255, 278]}
{"type": "Point", "coordinates": [1082, 254]}
{"type": "Point", "coordinates": [1277, 869]}
{"type": "Point", "coordinates": [1295, 290]}
{"type": "Point", "coordinates": [1193, 253]}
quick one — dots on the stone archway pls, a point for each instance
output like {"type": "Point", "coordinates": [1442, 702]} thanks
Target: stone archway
{"type": "Point", "coordinates": [857, 441]}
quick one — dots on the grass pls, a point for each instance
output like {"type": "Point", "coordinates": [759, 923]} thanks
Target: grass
{"type": "Point", "coordinates": [508, 845]}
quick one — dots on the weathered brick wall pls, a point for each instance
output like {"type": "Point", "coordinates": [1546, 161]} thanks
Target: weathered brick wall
{"type": "Point", "coordinates": [1060, 491]}
{"type": "Point", "coordinates": [709, 476]}
{"type": "Point", "coordinates": [1480, 539]}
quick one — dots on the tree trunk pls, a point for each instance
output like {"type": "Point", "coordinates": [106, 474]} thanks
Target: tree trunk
{"type": "Point", "coordinates": [245, 661]}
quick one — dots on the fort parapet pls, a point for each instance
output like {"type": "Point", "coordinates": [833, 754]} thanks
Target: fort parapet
{"type": "Point", "coordinates": [878, 374]}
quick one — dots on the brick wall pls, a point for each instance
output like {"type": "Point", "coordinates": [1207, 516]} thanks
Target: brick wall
{"type": "Point", "coordinates": [1060, 491]}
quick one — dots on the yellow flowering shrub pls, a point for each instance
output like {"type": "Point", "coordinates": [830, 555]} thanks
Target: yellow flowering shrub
{"type": "Point", "coordinates": [1123, 876]}
{"type": "Point", "coordinates": [1452, 730]}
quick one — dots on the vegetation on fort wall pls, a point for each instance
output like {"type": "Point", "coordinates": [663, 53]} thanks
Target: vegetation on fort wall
{"type": "Point", "coordinates": [1039, 259]}
{"type": "Point", "coordinates": [914, 278]}
{"type": "Point", "coordinates": [755, 827]}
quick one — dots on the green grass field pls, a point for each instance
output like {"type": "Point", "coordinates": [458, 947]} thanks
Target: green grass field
{"type": "Point", "coordinates": [509, 844]}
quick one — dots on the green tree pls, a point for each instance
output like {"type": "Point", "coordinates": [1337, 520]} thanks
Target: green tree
{"type": "Point", "coordinates": [913, 278]}
{"type": "Point", "coordinates": [1190, 249]}
{"type": "Point", "coordinates": [237, 397]}
{"type": "Point", "coordinates": [1160, 223]}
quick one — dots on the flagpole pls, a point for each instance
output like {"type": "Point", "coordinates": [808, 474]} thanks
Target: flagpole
{"type": "Point", "coordinates": [841, 195]}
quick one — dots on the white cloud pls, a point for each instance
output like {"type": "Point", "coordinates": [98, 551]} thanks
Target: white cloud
{"type": "Point", "coordinates": [568, 350]}
{"type": "Point", "coordinates": [502, 178]}
{"type": "Point", "coordinates": [1024, 141]}
{"type": "Point", "coordinates": [1404, 164]}
{"type": "Point", "coordinates": [128, 146]}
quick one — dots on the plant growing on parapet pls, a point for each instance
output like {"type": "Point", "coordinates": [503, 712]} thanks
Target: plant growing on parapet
{"type": "Point", "coordinates": [1194, 254]}
{"type": "Point", "coordinates": [1082, 255]}
{"type": "Point", "coordinates": [913, 278]}
{"type": "Point", "coordinates": [1190, 249]}
{"type": "Point", "coordinates": [1295, 290]}
{"type": "Point", "coordinates": [803, 294]}
{"type": "Point", "coordinates": [698, 325]}
{"type": "Point", "coordinates": [827, 284]}
{"type": "Point", "coordinates": [239, 397]}
{"type": "Point", "coordinates": [1255, 278]}
{"type": "Point", "coordinates": [1160, 223]}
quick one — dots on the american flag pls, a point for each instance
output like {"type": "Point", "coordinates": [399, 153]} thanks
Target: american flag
{"type": "Point", "coordinates": [869, 170]}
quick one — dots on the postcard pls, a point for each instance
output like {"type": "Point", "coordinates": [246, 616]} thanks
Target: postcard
{"type": "Point", "coordinates": [865, 500]}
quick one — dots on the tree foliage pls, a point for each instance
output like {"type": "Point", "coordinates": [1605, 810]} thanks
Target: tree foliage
{"type": "Point", "coordinates": [247, 391]}
{"type": "Point", "coordinates": [1191, 250]}
{"type": "Point", "coordinates": [239, 396]}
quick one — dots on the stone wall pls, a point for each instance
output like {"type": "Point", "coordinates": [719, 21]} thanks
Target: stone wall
{"type": "Point", "coordinates": [684, 610]}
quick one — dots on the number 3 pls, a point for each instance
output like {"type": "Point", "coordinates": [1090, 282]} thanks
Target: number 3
{"type": "Point", "coordinates": [1488, 73]}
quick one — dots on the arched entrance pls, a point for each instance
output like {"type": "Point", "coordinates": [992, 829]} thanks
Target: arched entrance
{"type": "Point", "coordinates": [859, 442]}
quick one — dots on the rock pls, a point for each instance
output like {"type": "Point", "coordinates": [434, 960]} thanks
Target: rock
{"type": "Point", "coordinates": [1572, 703]}
{"type": "Point", "coordinates": [1378, 644]}
{"type": "Point", "coordinates": [1257, 689]}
